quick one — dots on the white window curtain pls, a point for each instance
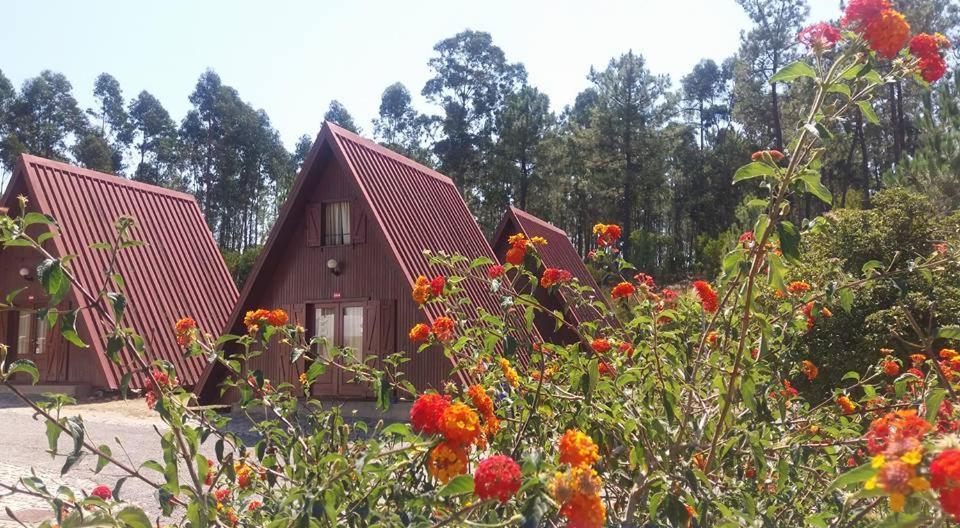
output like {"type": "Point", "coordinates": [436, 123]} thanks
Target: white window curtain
{"type": "Point", "coordinates": [23, 334]}
{"type": "Point", "coordinates": [325, 324]}
{"type": "Point", "coordinates": [336, 223]}
{"type": "Point", "coordinates": [353, 330]}
{"type": "Point", "coordinates": [41, 334]}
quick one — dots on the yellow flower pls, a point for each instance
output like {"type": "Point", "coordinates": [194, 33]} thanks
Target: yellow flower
{"type": "Point", "coordinates": [512, 378]}
{"type": "Point", "coordinates": [870, 484]}
{"type": "Point", "coordinates": [538, 241]}
{"type": "Point", "coordinates": [877, 461]}
{"type": "Point", "coordinates": [912, 457]}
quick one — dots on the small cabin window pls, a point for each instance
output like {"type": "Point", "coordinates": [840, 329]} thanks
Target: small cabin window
{"type": "Point", "coordinates": [41, 334]}
{"type": "Point", "coordinates": [23, 333]}
{"type": "Point", "coordinates": [336, 223]}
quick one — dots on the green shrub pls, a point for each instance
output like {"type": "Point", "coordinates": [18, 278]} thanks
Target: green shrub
{"type": "Point", "coordinates": [900, 227]}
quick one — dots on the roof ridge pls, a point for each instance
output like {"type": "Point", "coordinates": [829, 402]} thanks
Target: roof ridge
{"type": "Point", "coordinates": [30, 159]}
{"type": "Point", "coordinates": [380, 149]}
{"type": "Point", "coordinates": [520, 212]}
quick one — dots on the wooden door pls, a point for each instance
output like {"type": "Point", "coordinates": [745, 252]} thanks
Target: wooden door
{"type": "Point", "coordinates": [362, 328]}
{"type": "Point", "coordinates": [29, 337]}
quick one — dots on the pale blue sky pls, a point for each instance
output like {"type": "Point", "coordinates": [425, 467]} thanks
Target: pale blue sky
{"type": "Point", "coordinates": [292, 58]}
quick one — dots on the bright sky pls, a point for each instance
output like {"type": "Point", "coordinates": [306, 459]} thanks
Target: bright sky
{"type": "Point", "coordinates": [291, 58]}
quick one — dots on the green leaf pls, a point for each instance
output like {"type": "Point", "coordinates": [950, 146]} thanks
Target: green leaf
{"type": "Point", "coordinates": [53, 437]}
{"type": "Point", "coordinates": [839, 88]}
{"type": "Point", "coordinates": [811, 180]}
{"type": "Point", "coordinates": [69, 331]}
{"type": "Point", "coordinates": [103, 461]}
{"type": "Point", "coordinates": [54, 281]}
{"type": "Point", "coordinates": [26, 366]}
{"type": "Point", "coordinates": [133, 517]}
{"type": "Point", "coordinates": [853, 476]}
{"type": "Point", "coordinates": [793, 71]}
{"type": "Point", "coordinates": [932, 403]}
{"type": "Point", "coordinates": [867, 110]}
{"type": "Point", "coordinates": [13, 295]}
{"type": "Point", "coordinates": [114, 346]}
{"type": "Point", "coordinates": [789, 240]}
{"type": "Point", "coordinates": [119, 304]}
{"type": "Point", "coordinates": [949, 332]}
{"type": "Point", "coordinates": [870, 266]}
{"type": "Point", "coordinates": [460, 485]}
{"type": "Point", "coordinates": [752, 170]}
{"type": "Point", "coordinates": [846, 299]}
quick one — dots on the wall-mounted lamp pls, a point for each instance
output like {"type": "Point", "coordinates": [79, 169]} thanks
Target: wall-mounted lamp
{"type": "Point", "coordinates": [26, 274]}
{"type": "Point", "coordinates": [333, 266]}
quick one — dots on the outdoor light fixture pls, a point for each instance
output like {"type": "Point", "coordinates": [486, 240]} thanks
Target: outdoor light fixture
{"type": "Point", "coordinates": [333, 266]}
{"type": "Point", "coordinates": [25, 274]}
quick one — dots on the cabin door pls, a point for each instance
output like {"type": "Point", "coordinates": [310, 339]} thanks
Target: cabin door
{"type": "Point", "coordinates": [28, 337]}
{"type": "Point", "coordinates": [340, 325]}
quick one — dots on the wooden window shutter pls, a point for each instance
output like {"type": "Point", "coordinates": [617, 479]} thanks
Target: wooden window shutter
{"type": "Point", "coordinates": [314, 224]}
{"type": "Point", "coordinates": [358, 231]}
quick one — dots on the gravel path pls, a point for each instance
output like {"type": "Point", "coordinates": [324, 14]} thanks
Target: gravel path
{"type": "Point", "coordinates": [23, 445]}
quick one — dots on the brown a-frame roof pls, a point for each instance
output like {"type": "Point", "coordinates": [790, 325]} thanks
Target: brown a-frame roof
{"type": "Point", "coordinates": [557, 253]}
{"type": "Point", "coordinates": [177, 272]}
{"type": "Point", "coordinates": [415, 207]}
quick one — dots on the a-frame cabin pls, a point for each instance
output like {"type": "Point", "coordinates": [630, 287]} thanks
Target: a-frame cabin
{"type": "Point", "coordinates": [343, 256]}
{"type": "Point", "coordinates": [178, 271]}
{"type": "Point", "coordinates": [557, 253]}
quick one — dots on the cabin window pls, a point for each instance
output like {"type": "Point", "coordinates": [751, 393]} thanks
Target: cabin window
{"type": "Point", "coordinates": [336, 223]}
{"type": "Point", "coordinates": [353, 330]}
{"type": "Point", "coordinates": [41, 334]}
{"type": "Point", "coordinates": [23, 333]}
{"type": "Point", "coordinates": [325, 321]}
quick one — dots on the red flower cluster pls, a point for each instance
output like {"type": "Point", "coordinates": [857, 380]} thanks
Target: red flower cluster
{"type": "Point", "coordinates": [254, 319]}
{"type": "Point", "coordinates": [443, 328]}
{"type": "Point", "coordinates": [185, 330]}
{"type": "Point", "coordinates": [903, 430]}
{"type": "Point", "coordinates": [102, 492]}
{"type": "Point", "coordinates": [708, 297]}
{"type": "Point", "coordinates": [554, 276]}
{"type": "Point", "coordinates": [885, 30]}
{"type": "Point", "coordinates": [819, 37]}
{"type": "Point", "coordinates": [607, 234]}
{"type": "Point", "coordinates": [601, 345]}
{"type": "Point", "coordinates": [419, 333]}
{"type": "Point", "coordinates": [495, 271]}
{"type": "Point", "coordinates": [426, 412]}
{"type": "Point", "coordinates": [425, 290]}
{"type": "Point", "coordinates": [645, 280]}
{"type": "Point", "coordinates": [945, 478]}
{"type": "Point", "coordinates": [497, 477]}
{"type": "Point", "coordinates": [163, 382]}
{"type": "Point", "coordinates": [891, 367]}
{"type": "Point", "coordinates": [746, 238]}
{"type": "Point", "coordinates": [623, 291]}
{"type": "Point", "coordinates": [927, 48]}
